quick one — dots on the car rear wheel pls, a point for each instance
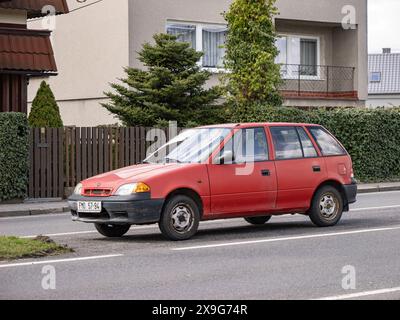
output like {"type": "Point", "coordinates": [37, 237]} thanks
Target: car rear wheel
{"type": "Point", "coordinates": [112, 230]}
{"type": "Point", "coordinates": [327, 207]}
{"type": "Point", "coordinates": [180, 218]}
{"type": "Point", "coordinates": [258, 221]}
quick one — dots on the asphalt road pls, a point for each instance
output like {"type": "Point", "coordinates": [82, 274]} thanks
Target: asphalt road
{"type": "Point", "coordinates": [288, 258]}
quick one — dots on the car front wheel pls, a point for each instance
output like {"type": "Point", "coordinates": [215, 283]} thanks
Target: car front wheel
{"type": "Point", "coordinates": [112, 231]}
{"type": "Point", "coordinates": [180, 218]}
{"type": "Point", "coordinates": [327, 207]}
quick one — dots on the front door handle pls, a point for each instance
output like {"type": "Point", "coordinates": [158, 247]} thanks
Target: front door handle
{"type": "Point", "coordinates": [317, 169]}
{"type": "Point", "coordinates": [265, 173]}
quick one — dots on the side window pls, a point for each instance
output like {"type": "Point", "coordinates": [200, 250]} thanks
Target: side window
{"type": "Point", "coordinates": [248, 145]}
{"type": "Point", "coordinates": [308, 147]}
{"type": "Point", "coordinates": [328, 145]}
{"type": "Point", "coordinates": [287, 143]}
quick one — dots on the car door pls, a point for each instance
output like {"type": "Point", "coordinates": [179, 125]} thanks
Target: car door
{"type": "Point", "coordinates": [246, 183]}
{"type": "Point", "coordinates": [299, 167]}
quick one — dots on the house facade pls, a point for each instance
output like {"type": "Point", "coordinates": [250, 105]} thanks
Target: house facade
{"type": "Point", "coordinates": [384, 79]}
{"type": "Point", "coordinates": [24, 53]}
{"type": "Point", "coordinates": [323, 64]}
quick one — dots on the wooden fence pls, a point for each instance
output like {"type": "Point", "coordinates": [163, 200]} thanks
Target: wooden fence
{"type": "Point", "coordinates": [46, 173]}
{"type": "Point", "coordinates": [61, 158]}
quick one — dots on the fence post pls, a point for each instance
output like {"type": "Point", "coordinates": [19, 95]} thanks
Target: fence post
{"type": "Point", "coordinates": [299, 80]}
{"type": "Point", "coordinates": [327, 81]}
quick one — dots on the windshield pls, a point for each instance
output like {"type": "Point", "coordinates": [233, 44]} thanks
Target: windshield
{"type": "Point", "coordinates": [191, 146]}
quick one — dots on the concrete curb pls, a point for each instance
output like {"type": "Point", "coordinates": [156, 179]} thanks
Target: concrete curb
{"type": "Point", "coordinates": [372, 188]}
{"type": "Point", "coordinates": [32, 212]}
{"type": "Point", "coordinates": [21, 210]}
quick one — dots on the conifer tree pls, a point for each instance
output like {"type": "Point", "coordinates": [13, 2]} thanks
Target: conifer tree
{"type": "Point", "coordinates": [45, 112]}
{"type": "Point", "coordinates": [171, 87]}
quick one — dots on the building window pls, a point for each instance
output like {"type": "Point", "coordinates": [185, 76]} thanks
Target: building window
{"type": "Point", "coordinates": [213, 46]}
{"type": "Point", "coordinates": [184, 32]}
{"type": "Point", "coordinates": [308, 57]}
{"type": "Point", "coordinates": [375, 77]}
{"type": "Point", "coordinates": [210, 39]}
{"type": "Point", "coordinates": [298, 55]}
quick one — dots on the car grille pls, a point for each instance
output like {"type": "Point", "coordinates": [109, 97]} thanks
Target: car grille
{"type": "Point", "coordinates": [96, 192]}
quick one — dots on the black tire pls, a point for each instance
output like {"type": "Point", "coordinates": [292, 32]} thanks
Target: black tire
{"type": "Point", "coordinates": [327, 207]}
{"type": "Point", "coordinates": [180, 218]}
{"type": "Point", "coordinates": [112, 230]}
{"type": "Point", "coordinates": [258, 221]}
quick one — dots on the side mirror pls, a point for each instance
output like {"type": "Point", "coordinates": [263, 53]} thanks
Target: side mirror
{"type": "Point", "coordinates": [225, 158]}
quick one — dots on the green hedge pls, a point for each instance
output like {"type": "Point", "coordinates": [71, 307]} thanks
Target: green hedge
{"type": "Point", "coordinates": [13, 155]}
{"type": "Point", "coordinates": [372, 136]}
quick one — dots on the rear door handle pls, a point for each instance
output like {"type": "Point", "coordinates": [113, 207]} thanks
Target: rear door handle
{"type": "Point", "coordinates": [317, 169]}
{"type": "Point", "coordinates": [265, 173]}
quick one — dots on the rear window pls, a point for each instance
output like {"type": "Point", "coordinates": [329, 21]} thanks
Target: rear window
{"type": "Point", "coordinates": [328, 144]}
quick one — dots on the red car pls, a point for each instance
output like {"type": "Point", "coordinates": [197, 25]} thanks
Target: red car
{"type": "Point", "coordinates": [252, 171]}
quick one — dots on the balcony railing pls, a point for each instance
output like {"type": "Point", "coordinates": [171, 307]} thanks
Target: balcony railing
{"type": "Point", "coordinates": [309, 81]}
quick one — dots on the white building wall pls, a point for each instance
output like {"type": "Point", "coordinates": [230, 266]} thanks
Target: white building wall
{"type": "Point", "coordinates": [91, 47]}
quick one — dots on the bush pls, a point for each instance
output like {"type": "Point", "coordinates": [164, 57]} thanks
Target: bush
{"type": "Point", "coordinates": [13, 155]}
{"type": "Point", "coordinates": [371, 136]}
{"type": "Point", "coordinates": [45, 112]}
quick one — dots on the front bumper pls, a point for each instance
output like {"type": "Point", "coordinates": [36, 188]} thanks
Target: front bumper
{"type": "Point", "coordinates": [351, 192]}
{"type": "Point", "coordinates": [134, 209]}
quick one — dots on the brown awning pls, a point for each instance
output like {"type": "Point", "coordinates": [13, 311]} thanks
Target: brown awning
{"type": "Point", "coordinates": [34, 7]}
{"type": "Point", "coordinates": [26, 51]}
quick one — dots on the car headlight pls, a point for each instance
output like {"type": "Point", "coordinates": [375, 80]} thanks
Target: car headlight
{"type": "Point", "coordinates": [128, 189]}
{"type": "Point", "coordinates": [78, 189]}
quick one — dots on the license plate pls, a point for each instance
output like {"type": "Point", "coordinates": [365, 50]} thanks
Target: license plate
{"type": "Point", "coordinates": [89, 206]}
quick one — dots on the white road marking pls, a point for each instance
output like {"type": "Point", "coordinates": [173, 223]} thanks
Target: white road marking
{"type": "Point", "coordinates": [375, 208]}
{"type": "Point", "coordinates": [60, 234]}
{"type": "Point", "coordinates": [155, 226]}
{"type": "Point", "coordinates": [323, 235]}
{"type": "Point", "coordinates": [134, 228]}
{"type": "Point", "coordinates": [58, 261]}
{"type": "Point", "coordinates": [361, 294]}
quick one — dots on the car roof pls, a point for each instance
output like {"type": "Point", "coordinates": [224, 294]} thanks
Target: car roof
{"type": "Point", "coordinates": [259, 124]}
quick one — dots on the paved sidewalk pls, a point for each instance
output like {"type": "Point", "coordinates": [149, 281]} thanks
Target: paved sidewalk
{"type": "Point", "coordinates": [31, 209]}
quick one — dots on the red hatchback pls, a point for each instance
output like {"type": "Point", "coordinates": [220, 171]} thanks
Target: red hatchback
{"type": "Point", "coordinates": [252, 171]}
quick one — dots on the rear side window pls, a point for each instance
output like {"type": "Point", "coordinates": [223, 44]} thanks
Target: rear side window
{"type": "Point", "coordinates": [328, 144]}
{"type": "Point", "coordinates": [287, 143]}
{"type": "Point", "coordinates": [308, 147]}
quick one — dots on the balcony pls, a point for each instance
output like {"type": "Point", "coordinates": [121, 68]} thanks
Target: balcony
{"type": "Point", "coordinates": [317, 82]}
